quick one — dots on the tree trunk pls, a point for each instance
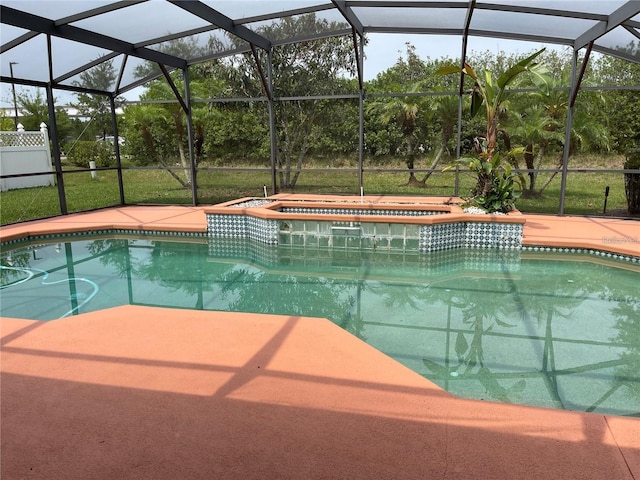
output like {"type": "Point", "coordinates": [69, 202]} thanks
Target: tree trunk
{"type": "Point", "coordinates": [171, 172]}
{"type": "Point", "coordinates": [484, 184]}
{"type": "Point", "coordinates": [529, 162]}
{"type": "Point", "coordinates": [551, 178]}
{"type": "Point", "coordinates": [284, 158]}
{"type": "Point", "coordinates": [436, 160]}
{"type": "Point", "coordinates": [632, 181]}
{"type": "Point", "coordinates": [281, 178]}
{"type": "Point", "coordinates": [410, 161]}
{"type": "Point", "coordinates": [486, 179]}
{"type": "Point", "coordinates": [183, 160]}
{"type": "Point", "coordinates": [301, 154]}
{"type": "Point", "coordinates": [177, 119]}
{"type": "Point", "coordinates": [411, 165]}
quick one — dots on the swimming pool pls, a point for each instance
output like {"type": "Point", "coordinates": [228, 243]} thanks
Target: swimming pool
{"type": "Point", "coordinates": [527, 327]}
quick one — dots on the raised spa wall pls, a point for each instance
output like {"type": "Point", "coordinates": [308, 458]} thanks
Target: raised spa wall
{"type": "Point", "coordinates": [427, 224]}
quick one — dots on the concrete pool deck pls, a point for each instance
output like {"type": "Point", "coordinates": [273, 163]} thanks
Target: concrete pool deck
{"type": "Point", "coordinates": [137, 392]}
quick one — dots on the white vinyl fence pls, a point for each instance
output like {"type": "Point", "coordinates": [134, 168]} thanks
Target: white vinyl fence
{"type": "Point", "coordinates": [23, 153]}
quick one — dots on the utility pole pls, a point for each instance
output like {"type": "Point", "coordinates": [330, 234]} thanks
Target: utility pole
{"type": "Point", "coordinates": [13, 89]}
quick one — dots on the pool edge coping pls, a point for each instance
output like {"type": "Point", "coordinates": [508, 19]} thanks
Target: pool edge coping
{"type": "Point", "coordinates": [610, 235]}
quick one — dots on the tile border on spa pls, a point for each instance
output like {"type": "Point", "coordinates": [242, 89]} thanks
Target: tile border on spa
{"type": "Point", "coordinates": [29, 238]}
{"type": "Point", "coordinates": [204, 235]}
{"type": "Point", "coordinates": [578, 250]}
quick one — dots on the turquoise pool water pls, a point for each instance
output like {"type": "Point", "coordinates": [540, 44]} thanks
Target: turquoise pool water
{"type": "Point", "coordinates": [553, 330]}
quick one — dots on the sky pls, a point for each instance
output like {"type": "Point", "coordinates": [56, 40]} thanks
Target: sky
{"type": "Point", "coordinates": [383, 50]}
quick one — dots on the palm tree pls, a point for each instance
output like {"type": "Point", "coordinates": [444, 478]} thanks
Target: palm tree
{"type": "Point", "coordinates": [173, 111]}
{"type": "Point", "coordinates": [407, 112]}
{"type": "Point", "coordinates": [491, 93]}
{"type": "Point", "coordinates": [542, 124]}
{"type": "Point", "coordinates": [446, 113]}
{"type": "Point", "coordinates": [144, 118]}
{"type": "Point", "coordinates": [537, 131]}
{"type": "Point", "coordinates": [404, 112]}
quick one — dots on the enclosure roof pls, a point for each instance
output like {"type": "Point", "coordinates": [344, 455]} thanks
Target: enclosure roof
{"type": "Point", "coordinates": [54, 42]}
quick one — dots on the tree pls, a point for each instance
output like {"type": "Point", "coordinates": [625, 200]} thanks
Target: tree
{"type": "Point", "coordinates": [174, 113]}
{"type": "Point", "coordinates": [97, 107]}
{"type": "Point", "coordinates": [35, 111]}
{"type": "Point", "coordinates": [421, 120]}
{"type": "Point", "coordinates": [300, 69]}
{"type": "Point", "coordinates": [148, 139]}
{"type": "Point", "coordinates": [622, 105]}
{"type": "Point", "coordinates": [446, 115]}
{"type": "Point", "coordinates": [157, 131]}
{"type": "Point", "coordinates": [33, 106]}
{"type": "Point", "coordinates": [404, 113]}
{"type": "Point", "coordinates": [6, 123]}
{"type": "Point", "coordinates": [338, 134]}
{"type": "Point", "coordinates": [540, 126]}
{"type": "Point", "coordinates": [186, 47]}
{"type": "Point", "coordinates": [495, 182]}
{"type": "Point", "coordinates": [230, 130]}
{"type": "Point", "coordinates": [537, 131]}
{"type": "Point", "coordinates": [409, 69]}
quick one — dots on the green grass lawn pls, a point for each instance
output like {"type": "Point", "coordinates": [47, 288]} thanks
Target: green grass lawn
{"type": "Point", "coordinates": [585, 191]}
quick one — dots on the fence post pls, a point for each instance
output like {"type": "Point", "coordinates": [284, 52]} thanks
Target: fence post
{"type": "Point", "coordinates": [45, 141]}
{"type": "Point", "coordinates": [92, 166]}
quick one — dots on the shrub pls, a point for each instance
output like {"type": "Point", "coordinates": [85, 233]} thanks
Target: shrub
{"type": "Point", "coordinates": [632, 181]}
{"type": "Point", "coordinates": [84, 151]}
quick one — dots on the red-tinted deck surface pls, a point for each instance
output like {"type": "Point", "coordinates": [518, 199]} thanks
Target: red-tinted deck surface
{"type": "Point", "coordinates": [135, 392]}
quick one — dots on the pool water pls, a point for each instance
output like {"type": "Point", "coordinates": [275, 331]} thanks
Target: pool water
{"type": "Point", "coordinates": [552, 330]}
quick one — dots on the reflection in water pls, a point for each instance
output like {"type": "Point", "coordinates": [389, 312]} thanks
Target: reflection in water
{"type": "Point", "coordinates": [13, 276]}
{"type": "Point", "coordinates": [555, 331]}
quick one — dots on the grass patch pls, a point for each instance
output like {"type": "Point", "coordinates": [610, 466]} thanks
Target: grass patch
{"type": "Point", "coordinates": [28, 204]}
{"type": "Point", "coordinates": [585, 191]}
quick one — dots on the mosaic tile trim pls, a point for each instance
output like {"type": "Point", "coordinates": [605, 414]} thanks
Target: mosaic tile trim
{"type": "Point", "coordinates": [434, 238]}
{"type": "Point", "coordinates": [493, 235]}
{"type": "Point", "coordinates": [361, 211]}
{"type": "Point", "coordinates": [367, 235]}
{"type": "Point", "coordinates": [263, 231]}
{"type": "Point", "coordinates": [431, 238]}
{"type": "Point", "coordinates": [586, 251]}
{"type": "Point", "coordinates": [470, 235]}
{"type": "Point", "coordinates": [228, 226]}
{"type": "Point", "coordinates": [243, 226]}
{"type": "Point", "coordinates": [92, 233]}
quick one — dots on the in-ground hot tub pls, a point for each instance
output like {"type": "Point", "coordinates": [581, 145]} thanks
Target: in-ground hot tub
{"type": "Point", "coordinates": [421, 224]}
